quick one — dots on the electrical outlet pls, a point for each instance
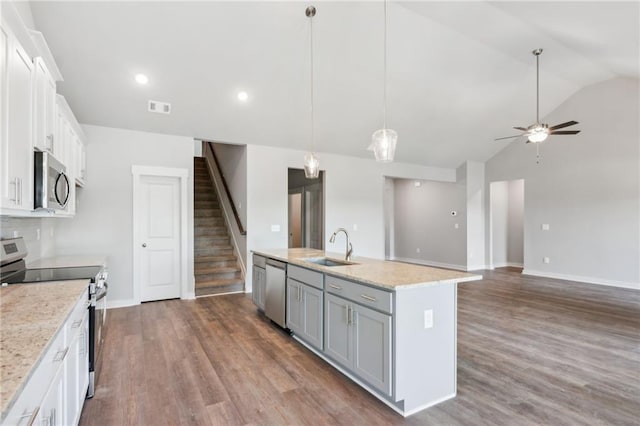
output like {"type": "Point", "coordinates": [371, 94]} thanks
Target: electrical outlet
{"type": "Point", "coordinates": [456, 226]}
{"type": "Point", "coordinates": [428, 318]}
{"type": "Point", "coordinates": [546, 260]}
{"type": "Point", "coordinates": [545, 226]}
{"type": "Point", "coordinates": [418, 250]}
{"type": "Point", "coordinates": [355, 226]}
{"type": "Point", "coordinates": [275, 228]}
{"type": "Point", "coordinates": [37, 234]}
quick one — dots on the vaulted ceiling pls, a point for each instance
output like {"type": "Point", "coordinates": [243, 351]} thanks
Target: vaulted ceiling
{"type": "Point", "coordinates": [459, 73]}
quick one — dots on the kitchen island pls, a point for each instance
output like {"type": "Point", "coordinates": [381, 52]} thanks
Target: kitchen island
{"type": "Point", "coordinates": [38, 325]}
{"type": "Point", "coordinates": [389, 326]}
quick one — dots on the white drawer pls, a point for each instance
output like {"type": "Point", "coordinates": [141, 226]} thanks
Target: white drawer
{"type": "Point", "coordinates": [365, 295]}
{"type": "Point", "coordinates": [306, 276]}
{"type": "Point", "coordinates": [74, 321]}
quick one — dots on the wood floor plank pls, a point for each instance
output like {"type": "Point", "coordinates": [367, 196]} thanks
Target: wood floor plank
{"type": "Point", "coordinates": [530, 351]}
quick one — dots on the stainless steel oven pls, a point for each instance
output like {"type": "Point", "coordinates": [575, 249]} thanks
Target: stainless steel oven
{"type": "Point", "coordinates": [52, 185]}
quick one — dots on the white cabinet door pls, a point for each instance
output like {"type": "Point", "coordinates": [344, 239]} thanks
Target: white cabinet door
{"type": "Point", "coordinates": [17, 127]}
{"type": "Point", "coordinates": [372, 347]}
{"type": "Point", "coordinates": [44, 107]}
{"type": "Point", "coordinates": [52, 408]}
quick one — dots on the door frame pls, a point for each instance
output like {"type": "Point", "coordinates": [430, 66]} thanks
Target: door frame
{"type": "Point", "coordinates": [183, 174]}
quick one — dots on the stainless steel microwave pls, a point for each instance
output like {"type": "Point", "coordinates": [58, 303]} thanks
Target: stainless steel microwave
{"type": "Point", "coordinates": [51, 183]}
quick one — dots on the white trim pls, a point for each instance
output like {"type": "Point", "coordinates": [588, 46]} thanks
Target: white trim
{"type": "Point", "coordinates": [114, 304]}
{"type": "Point", "coordinates": [429, 404]}
{"type": "Point", "coordinates": [221, 294]}
{"type": "Point", "coordinates": [582, 279]}
{"type": "Point", "coordinates": [476, 267]}
{"type": "Point", "coordinates": [505, 264]}
{"type": "Point", "coordinates": [187, 287]}
{"type": "Point", "coordinates": [431, 263]}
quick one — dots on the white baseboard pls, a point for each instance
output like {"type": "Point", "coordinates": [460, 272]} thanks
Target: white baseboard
{"type": "Point", "coordinates": [189, 296]}
{"type": "Point", "coordinates": [113, 304]}
{"type": "Point", "coordinates": [430, 263]}
{"type": "Point", "coordinates": [583, 279]}
{"type": "Point", "coordinates": [477, 267]}
{"type": "Point", "coordinates": [505, 264]}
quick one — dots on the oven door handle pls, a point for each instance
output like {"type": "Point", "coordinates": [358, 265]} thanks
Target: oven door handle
{"type": "Point", "coordinates": [101, 294]}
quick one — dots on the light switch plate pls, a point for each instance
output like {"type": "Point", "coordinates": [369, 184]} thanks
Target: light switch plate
{"type": "Point", "coordinates": [275, 228]}
{"type": "Point", "coordinates": [428, 318]}
{"type": "Point", "coordinates": [545, 226]}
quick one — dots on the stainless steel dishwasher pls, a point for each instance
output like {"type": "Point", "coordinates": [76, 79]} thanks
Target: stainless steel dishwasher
{"type": "Point", "coordinates": [275, 301]}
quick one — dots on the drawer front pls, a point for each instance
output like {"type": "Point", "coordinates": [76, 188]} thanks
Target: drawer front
{"type": "Point", "coordinates": [360, 293]}
{"type": "Point", "coordinates": [72, 326]}
{"type": "Point", "coordinates": [259, 261]}
{"type": "Point", "coordinates": [306, 276]}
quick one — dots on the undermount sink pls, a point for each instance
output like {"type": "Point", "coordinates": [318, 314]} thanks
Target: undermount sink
{"type": "Point", "coordinates": [325, 261]}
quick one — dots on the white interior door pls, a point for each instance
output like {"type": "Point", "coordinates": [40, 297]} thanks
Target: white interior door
{"type": "Point", "coordinates": [159, 237]}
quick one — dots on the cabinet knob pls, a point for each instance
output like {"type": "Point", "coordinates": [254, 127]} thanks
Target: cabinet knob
{"type": "Point", "coordinates": [144, 245]}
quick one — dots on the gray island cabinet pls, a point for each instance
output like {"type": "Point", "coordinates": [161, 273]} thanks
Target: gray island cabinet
{"type": "Point", "coordinates": [389, 326]}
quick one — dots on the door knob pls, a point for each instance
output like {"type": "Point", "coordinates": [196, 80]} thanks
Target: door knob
{"type": "Point", "coordinates": [144, 244]}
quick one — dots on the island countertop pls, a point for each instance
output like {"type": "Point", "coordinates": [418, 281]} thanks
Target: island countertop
{"type": "Point", "coordinates": [385, 274]}
{"type": "Point", "coordinates": [30, 316]}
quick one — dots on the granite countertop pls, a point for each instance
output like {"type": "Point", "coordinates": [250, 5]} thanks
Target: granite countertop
{"type": "Point", "coordinates": [380, 273]}
{"type": "Point", "coordinates": [68, 261]}
{"type": "Point", "coordinates": [30, 316]}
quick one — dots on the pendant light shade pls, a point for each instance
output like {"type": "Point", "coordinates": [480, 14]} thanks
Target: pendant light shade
{"type": "Point", "coordinates": [383, 145]}
{"type": "Point", "coordinates": [311, 166]}
{"type": "Point", "coordinates": [311, 163]}
{"type": "Point", "coordinates": [383, 141]}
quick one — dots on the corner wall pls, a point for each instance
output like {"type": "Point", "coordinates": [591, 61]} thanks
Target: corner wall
{"type": "Point", "coordinates": [103, 224]}
{"type": "Point", "coordinates": [586, 187]}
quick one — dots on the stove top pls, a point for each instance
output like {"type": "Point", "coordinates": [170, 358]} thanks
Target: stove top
{"type": "Point", "coordinates": [51, 274]}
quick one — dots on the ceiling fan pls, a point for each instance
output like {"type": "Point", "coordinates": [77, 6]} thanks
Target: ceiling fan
{"type": "Point", "coordinates": [538, 132]}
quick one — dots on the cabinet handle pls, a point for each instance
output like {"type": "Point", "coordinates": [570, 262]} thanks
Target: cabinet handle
{"type": "Point", "coordinates": [349, 315]}
{"type": "Point", "coordinates": [76, 323]}
{"type": "Point", "coordinates": [19, 196]}
{"type": "Point", "coordinates": [15, 194]}
{"type": "Point", "coordinates": [299, 298]}
{"type": "Point", "coordinates": [369, 298]}
{"type": "Point", "coordinates": [50, 141]}
{"type": "Point", "coordinates": [60, 354]}
{"type": "Point", "coordinates": [335, 286]}
{"type": "Point", "coordinates": [32, 416]}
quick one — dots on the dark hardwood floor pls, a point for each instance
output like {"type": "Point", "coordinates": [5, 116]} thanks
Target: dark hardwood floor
{"type": "Point", "coordinates": [530, 351]}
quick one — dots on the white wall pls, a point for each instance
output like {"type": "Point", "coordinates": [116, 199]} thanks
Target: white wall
{"type": "Point", "coordinates": [104, 219]}
{"type": "Point", "coordinates": [586, 187]}
{"type": "Point", "coordinates": [38, 246]}
{"type": "Point", "coordinates": [423, 221]}
{"type": "Point", "coordinates": [471, 175]}
{"type": "Point", "coordinates": [499, 223]}
{"type": "Point", "coordinates": [353, 194]}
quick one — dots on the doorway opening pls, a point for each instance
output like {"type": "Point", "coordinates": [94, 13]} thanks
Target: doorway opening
{"type": "Point", "coordinates": [506, 234]}
{"type": "Point", "coordinates": [306, 210]}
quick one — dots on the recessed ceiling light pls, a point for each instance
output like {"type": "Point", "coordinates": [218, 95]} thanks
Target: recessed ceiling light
{"type": "Point", "coordinates": [243, 96]}
{"type": "Point", "coordinates": [142, 79]}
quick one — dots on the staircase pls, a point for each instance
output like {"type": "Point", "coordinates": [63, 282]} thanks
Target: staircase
{"type": "Point", "coordinates": [216, 265]}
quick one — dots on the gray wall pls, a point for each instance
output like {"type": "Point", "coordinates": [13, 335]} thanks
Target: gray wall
{"type": "Point", "coordinates": [515, 223]}
{"type": "Point", "coordinates": [103, 224]}
{"type": "Point", "coordinates": [586, 187]}
{"type": "Point", "coordinates": [423, 220]}
{"type": "Point", "coordinates": [507, 223]}
{"type": "Point", "coordinates": [233, 165]}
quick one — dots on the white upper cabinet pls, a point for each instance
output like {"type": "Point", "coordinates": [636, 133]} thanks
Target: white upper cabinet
{"type": "Point", "coordinates": [44, 111]}
{"type": "Point", "coordinates": [17, 125]}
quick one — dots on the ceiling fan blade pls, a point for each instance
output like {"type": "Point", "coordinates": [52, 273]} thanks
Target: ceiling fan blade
{"type": "Point", "coordinates": [507, 137]}
{"type": "Point", "coordinates": [560, 126]}
{"type": "Point", "coordinates": [565, 132]}
{"type": "Point", "coordinates": [520, 128]}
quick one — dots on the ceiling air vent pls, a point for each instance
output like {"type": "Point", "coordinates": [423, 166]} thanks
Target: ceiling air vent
{"type": "Point", "coordinates": [160, 107]}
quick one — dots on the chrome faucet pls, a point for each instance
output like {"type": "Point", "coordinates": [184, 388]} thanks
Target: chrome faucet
{"type": "Point", "coordinates": [349, 248]}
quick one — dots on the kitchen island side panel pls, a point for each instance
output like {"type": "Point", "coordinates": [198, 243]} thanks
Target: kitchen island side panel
{"type": "Point", "coordinates": [425, 356]}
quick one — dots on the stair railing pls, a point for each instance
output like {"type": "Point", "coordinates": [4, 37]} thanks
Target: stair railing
{"type": "Point", "coordinates": [238, 232]}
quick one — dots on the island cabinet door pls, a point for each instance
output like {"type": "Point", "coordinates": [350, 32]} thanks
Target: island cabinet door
{"type": "Point", "coordinates": [294, 305]}
{"type": "Point", "coordinates": [259, 286]}
{"type": "Point", "coordinates": [372, 347]}
{"type": "Point", "coordinates": [312, 315]}
{"type": "Point", "coordinates": [338, 342]}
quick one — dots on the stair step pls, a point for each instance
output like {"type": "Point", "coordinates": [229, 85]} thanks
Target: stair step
{"type": "Point", "coordinates": [234, 274]}
{"type": "Point", "coordinates": [204, 196]}
{"type": "Point", "coordinates": [213, 250]}
{"type": "Point", "coordinates": [203, 269]}
{"type": "Point", "coordinates": [208, 221]}
{"type": "Point", "coordinates": [210, 231]}
{"type": "Point", "coordinates": [225, 263]}
{"type": "Point", "coordinates": [204, 204]}
{"type": "Point", "coordinates": [221, 287]}
{"type": "Point", "coordinates": [215, 258]}
{"type": "Point", "coordinates": [212, 241]}
{"type": "Point", "coordinates": [207, 213]}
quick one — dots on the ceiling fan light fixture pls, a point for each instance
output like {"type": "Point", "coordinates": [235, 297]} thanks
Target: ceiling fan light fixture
{"type": "Point", "coordinates": [311, 163]}
{"type": "Point", "coordinates": [383, 145]}
{"type": "Point", "coordinates": [538, 134]}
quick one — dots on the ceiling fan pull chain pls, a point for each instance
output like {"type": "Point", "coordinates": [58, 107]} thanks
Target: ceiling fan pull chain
{"type": "Point", "coordinates": [537, 153]}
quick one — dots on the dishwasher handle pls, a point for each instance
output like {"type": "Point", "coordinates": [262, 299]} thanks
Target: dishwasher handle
{"type": "Point", "coordinates": [276, 264]}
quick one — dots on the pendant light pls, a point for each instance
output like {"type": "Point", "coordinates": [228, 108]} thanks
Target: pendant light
{"type": "Point", "coordinates": [383, 141]}
{"type": "Point", "coordinates": [311, 163]}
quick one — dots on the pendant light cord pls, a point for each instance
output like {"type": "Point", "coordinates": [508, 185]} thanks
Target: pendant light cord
{"type": "Point", "coordinates": [313, 144]}
{"type": "Point", "coordinates": [538, 88]}
{"type": "Point", "coordinates": [384, 83]}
